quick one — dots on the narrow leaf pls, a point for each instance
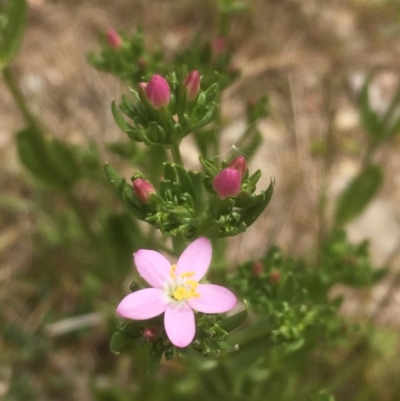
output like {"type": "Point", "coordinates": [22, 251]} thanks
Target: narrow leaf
{"type": "Point", "coordinates": [355, 198]}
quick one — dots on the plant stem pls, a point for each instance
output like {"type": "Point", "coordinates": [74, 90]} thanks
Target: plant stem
{"type": "Point", "coordinates": [18, 97]}
{"type": "Point", "coordinates": [76, 205]}
{"type": "Point", "coordinates": [176, 154]}
{"type": "Point", "coordinates": [28, 116]}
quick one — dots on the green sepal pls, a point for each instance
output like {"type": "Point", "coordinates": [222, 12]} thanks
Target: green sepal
{"type": "Point", "coordinates": [185, 180]}
{"type": "Point", "coordinates": [209, 166]}
{"type": "Point", "coordinates": [232, 322]}
{"type": "Point", "coordinates": [169, 172]}
{"type": "Point", "coordinates": [250, 214]}
{"type": "Point", "coordinates": [354, 199]}
{"type": "Point", "coordinates": [199, 199]}
{"type": "Point", "coordinates": [13, 32]}
{"type": "Point", "coordinates": [125, 127]}
{"type": "Point", "coordinates": [119, 340]}
{"type": "Point", "coordinates": [115, 179]}
{"type": "Point", "coordinates": [124, 192]}
{"type": "Point", "coordinates": [156, 353]}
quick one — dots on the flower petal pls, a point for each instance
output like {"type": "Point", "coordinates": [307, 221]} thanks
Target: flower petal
{"type": "Point", "coordinates": [179, 324]}
{"type": "Point", "coordinates": [195, 258]}
{"type": "Point", "coordinates": [143, 304]}
{"type": "Point", "coordinates": [213, 299]}
{"type": "Point", "coordinates": [152, 267]}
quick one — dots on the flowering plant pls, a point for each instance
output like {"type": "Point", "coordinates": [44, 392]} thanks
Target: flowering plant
{"type": "Point", "coordinates": [176, 291]}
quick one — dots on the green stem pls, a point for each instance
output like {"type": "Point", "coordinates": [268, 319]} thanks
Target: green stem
{"type": "Point", "coordinates": [82, 216]}
{"type": "Point", "coordinates": [176, 154]}
{"type": "Point", "coordinates": [28, 116]}
{"type": "Point", "coordinates": [18, 97]}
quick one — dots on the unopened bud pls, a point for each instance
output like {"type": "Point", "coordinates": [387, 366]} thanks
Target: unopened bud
{"type": "Point", "coordinates": [151, 333]}
{"type": "Point", "coordinates": [114, 40]}
{"type": "Point", "coordinates": [275, 277]}
{"type": "Point", "coordinates": [257, 268]}
{"type": "Point", "coordinates": [227, 183]}
{"type": "Point", "coordinates": [218, 45]}
{"type": "Point", "coordinates": [158, 92]}
{"type": "Point", "coordinates": [192, 83]}
{"type": "Point", "coordinates": [143, 189]}
{"type": "Point", "coordinates": [239, 163]}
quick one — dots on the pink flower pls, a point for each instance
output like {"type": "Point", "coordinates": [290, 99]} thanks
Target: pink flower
{"type": "Point", "coordinates": [192, 83]}
{"type": "Point", "coordinates": [114, 40]}
{"type": "Point", "coordinates": [143, 189]}
{"type": "Point", "coordinates": [157, 91]}
{"type": "Point", "coordinates": [227, 183]}
{"type": "Point", "coordinates": [176, 291]}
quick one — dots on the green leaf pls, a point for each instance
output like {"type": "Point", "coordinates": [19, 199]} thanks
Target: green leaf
{"type": "Point", "coordinates": [119, 119]}
{"type": "Point", "coordinates": [124, 191]}
{"type": "Point", "coordinates": [369, 117]}
{"type": "Point", "coordinates": [12, 33]}
{"type": "Point", "coordinates": [355, 198]}
{"type": "Point", "coordinates": [64, 162]}
{"type": "Point", "coordinates": [232, 322]}
{"type": "Point", "coordinates": [155, 356]}
{"type": "Point", "coordinates": [33, 154]}
{"type": "Point", "coordinates": [185, 180]}
{"type": "Point", "coordinates": [322, 396]}
{"type": "Point", "coordinates": [250, 214]}
{"type": "Point", "coordinates": [115, 179]}
{"type": "Point", "coordinates": [119, 340]}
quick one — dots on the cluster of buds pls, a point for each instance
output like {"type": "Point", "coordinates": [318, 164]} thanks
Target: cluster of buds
{"type": "Point", "coordinates": [178, 206]}
{"type": "Point", "coordinates": [167, 109]}
{"type": "Point", "coordinates": [126, 57]}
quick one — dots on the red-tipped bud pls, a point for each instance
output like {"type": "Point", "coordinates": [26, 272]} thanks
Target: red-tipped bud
{"type": "Point", "coordinates": [219, 45]}
{"type": "Point", "coordinates": [114, 40]}
{"type": "Point", "coordinates": [257, 268]}
{"type": "Point", "coordinates": [192, 83]}
{"type": "Point", "coordinates": [158, 92]}
{"type": "Point", "coordinates": [227, 183]}
{"type": "Point", "coordinates": [239, 163]}
{"type": "Point", "coordinates": [275, 277]}
{"type": "Point", "coordinates": [142, 63]}
{"type": "Point", "coordinates": [151, 333]}
{"type": "Point", "coordinates": [143, 189]}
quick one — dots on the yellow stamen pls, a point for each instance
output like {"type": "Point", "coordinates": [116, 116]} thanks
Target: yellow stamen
{"type": "Point", "coordinates": [187, 274]}
{"type": "Point", "coordinates": [172, 273]}
{"type": "Point", "coordinates": [188, 289]}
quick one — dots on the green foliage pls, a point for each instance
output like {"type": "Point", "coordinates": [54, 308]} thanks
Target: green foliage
{"type": "Point", "coordinates": [12, 27]}
{"type": "Point", "coordinates": [358, 194]}
{"type": "Point", "coordinates": [379, 127]}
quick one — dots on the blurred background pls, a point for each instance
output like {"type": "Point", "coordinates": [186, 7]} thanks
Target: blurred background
{"type": "Point", "coordinates": [311, 59]}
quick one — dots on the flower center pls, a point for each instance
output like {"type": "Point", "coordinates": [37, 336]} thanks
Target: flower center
{"type": "Point", "coordinates": [183, 287]}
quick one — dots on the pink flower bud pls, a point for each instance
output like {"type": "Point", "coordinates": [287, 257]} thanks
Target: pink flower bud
{"type": "Point", "coordinates": [158, 92]}
{"type": "Point", "coordinates": [151, 333]}
{"type": "Point", "coordinates": [239, 163]}
{"type": "Point", "coordinates": [192, 83]}
{"type": "Point", "coordinates": [275, 277]}
{"type": "Point", "coordinates": [257, 268]}
{"type": "Point", "coordinates": [114, 40]}
{"type": "Point", "coordinates": [227, 183]}
{"type": "Point", "coordinates": [143, 189]}
{"type": "Point", "coordinates": [218, 45]}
